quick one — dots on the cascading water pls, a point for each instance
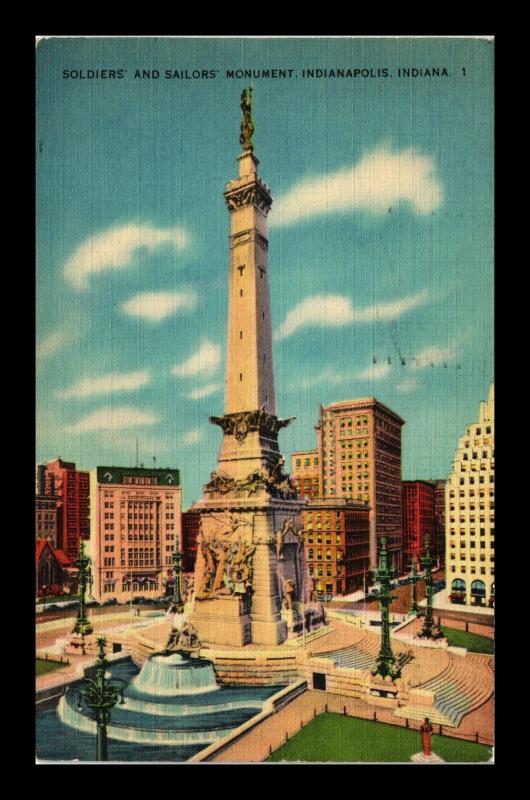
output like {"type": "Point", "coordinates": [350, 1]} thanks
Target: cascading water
{"type": "Point", "coordinates": [173, 674]}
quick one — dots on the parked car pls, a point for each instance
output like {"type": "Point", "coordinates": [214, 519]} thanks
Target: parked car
{"type": "Point", "coordinates": [111, 602]}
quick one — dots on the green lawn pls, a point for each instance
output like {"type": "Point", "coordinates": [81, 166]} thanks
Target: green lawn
{"type": "Point", "coordinates": [473, 642]}
{"type": "Point", "coordinates": [333, 737]}
{"type": "Point", "coordinates": [42, 666]}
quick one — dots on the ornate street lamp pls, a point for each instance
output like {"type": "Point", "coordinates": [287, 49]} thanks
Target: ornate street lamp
{"type": "Point", "coordinates": [429, 629]}
{"type": "Point", "coordinates": [414, 578]}
{"type": "Point", "coordinates": [101, 695]}
{"type": "Point", "coordinates": [82, 624]}
{"type": "Point", "coordinates": [385, 664]}
{"type": "Point", "coordinates": [177, 604]}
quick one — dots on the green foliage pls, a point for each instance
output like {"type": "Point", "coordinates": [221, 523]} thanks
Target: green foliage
{"type": "Point", "coordinates": [42, 666]}
{"type": "Point", "coordinates": [333, 737]}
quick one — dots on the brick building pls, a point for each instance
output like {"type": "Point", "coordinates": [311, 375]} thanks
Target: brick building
{"type": "Point", "coordinates": [337, 544]}
{"type": "Point", "coordinates": [191, 525]}
{"type": "Point", "coordinates": [418, 519]}
{"type": "Point", "coordinates": [305, 473]}
{"type": "Point", "coordinates": [439, 520]}
{"type": "Point", "coordinates": [358, 457]}
{"type": "Point", "coordinates": [72, 490]}
{"type": "Point", "coordinates": [46, 519]}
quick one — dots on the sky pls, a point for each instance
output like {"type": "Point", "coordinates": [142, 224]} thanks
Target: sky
{"type": "Point", "coordinates": [380, 241]}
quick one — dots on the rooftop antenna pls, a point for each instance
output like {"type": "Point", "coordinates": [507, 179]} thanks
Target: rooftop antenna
{"type": "Point", "coordinates": [137, 453]}
{"type": "Point", "coordinates": [154, 462]}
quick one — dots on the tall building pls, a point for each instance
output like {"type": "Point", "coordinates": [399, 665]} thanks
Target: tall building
{"type": "Point", "coordinates": [191, 527]}
{"type": "Point", "coordinates": [136, 526]}
{"type": "Point", "coordinates": [45, 509]}
{"type": "Point", "coordinates": [359, 457]}
{"type": "Point", "coordinates": [470, 512]}
{"type": "Point", "coordinates": [418, 519]}
{"type": "Point", "coordinates": [439, 520]}
{"type": "Point", "coordinates": [72, 489]}
{"type": "Point", "coordinates": [46, 519]}
{"type": "Point", "coordinates": [305, 473]}
{"type": "Point", "coordinates": [337, 543]}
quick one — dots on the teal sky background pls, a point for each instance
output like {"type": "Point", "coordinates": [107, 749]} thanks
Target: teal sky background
{"type": "Point", "coordinates": [157, 154]}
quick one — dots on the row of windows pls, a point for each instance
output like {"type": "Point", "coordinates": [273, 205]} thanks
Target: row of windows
{"type": "Point", "coordinates": [472, 570]}
{"type": "Point", "coordinates": [307, 462]}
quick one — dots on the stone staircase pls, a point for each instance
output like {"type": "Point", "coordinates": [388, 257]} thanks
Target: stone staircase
{"type": "Point", "coordinates": [362, 655]}
{"type": "Point", "coordinates": [465, 684]}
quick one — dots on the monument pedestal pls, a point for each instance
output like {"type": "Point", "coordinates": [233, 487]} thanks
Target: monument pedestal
{"type": "Point", "coordinates": [222, 620]}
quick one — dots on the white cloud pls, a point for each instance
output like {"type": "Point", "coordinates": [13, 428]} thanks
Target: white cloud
{"type": "Point", "coordinates": [156, 306]}
{"type": "Point", "coordinates": [407, 386]}
{"type": "Point", "coordinates": [387, 312]}
{"type": "Point", "coordinates": [433, 355]}
{"type": "Point", "coordinates": [112, 419]}
{"type": "Point", "coordinates": [105, 384]}
{"type": "Point", "coordinates": [334, 311]}
{"type": "Point", "coordinates": [205, 391]}
{"type": "Point", "coordinates": [52, 344]}
{"type": "Point", "coordinates": [192, 437]}
{"type": "Point", "coordinates": [322, 311]}
{"type": "Point", "coordinates": [205, 361]}
{"type": "Point", "coordinates": [378, 182]}
{"type": "Point", "coordinates": [115, 248]}
{"type": "Point", "coordinates": [375, 372]}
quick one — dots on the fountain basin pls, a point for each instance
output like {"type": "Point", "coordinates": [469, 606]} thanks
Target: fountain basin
{"type": "Point", "coordinates": [158, 711]}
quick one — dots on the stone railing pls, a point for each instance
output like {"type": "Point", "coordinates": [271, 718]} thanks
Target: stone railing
{"type": "Point", "coordinates": [271, 706]}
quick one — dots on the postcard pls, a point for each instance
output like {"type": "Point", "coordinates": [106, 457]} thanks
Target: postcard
{"type": "Point", "coordinates": [265, 503]}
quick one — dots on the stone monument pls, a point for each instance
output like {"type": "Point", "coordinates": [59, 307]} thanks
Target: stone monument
{"type": "Point", "coordinates": [250, 554]}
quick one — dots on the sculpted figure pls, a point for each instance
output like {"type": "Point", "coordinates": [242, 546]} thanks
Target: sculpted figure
{"type": "Point", "coordinates": [247, 125]}
{"type": "Point", "coordinates": [173, 640]}
{"type": "Point", "coordinates": [208, 571]}
{"type": "Point", "coordinates": [188, 637]}
{"type": "Point", "coordinates": [241, 567]}
{"type": "Point", "coordinates": [188, 588]}
{"type": "Point", "coordinates": [279, 545]}
{"type": "Point", "coordinates": [311, 590]}
{"type": "Point", "coordinates": [220, 550]}
{"type": "Point", "coordinates": [288, 593]}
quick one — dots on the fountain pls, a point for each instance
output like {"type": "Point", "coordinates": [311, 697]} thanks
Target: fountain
{"type": "Point", "coordinates": [170, 709]}
{"type": "Point", "coordinates": [172, 674]}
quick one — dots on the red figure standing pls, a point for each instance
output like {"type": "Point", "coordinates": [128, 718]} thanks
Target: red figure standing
{"type": "Point", "coordinates": [426, 736]}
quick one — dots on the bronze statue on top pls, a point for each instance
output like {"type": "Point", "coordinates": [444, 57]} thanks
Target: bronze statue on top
{"type": "Point", "coordinates": [247, 125]}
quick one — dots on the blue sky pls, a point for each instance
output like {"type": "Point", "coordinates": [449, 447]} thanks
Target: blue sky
{"type": "Point", "coordinates": [380, 242]}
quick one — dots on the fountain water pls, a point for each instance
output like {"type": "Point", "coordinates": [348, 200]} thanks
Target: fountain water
{"type": "Point", "coordinates": [174, 701]}
{"type": "Point", "coordinates": [172, 674]}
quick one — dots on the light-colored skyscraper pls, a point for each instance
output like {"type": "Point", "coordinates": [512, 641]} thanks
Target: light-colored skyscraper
{"type": "Point", "coordinates": [470, 513]}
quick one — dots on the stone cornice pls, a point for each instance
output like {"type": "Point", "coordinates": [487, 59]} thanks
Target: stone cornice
{"type": "Point", "coordinates": [243, 193]}
{"type": "Point", "coordinates": [244, 422]}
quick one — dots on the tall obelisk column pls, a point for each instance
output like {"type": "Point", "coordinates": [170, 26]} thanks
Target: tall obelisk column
{"type": "Point", "coordinates": [250, 552]}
